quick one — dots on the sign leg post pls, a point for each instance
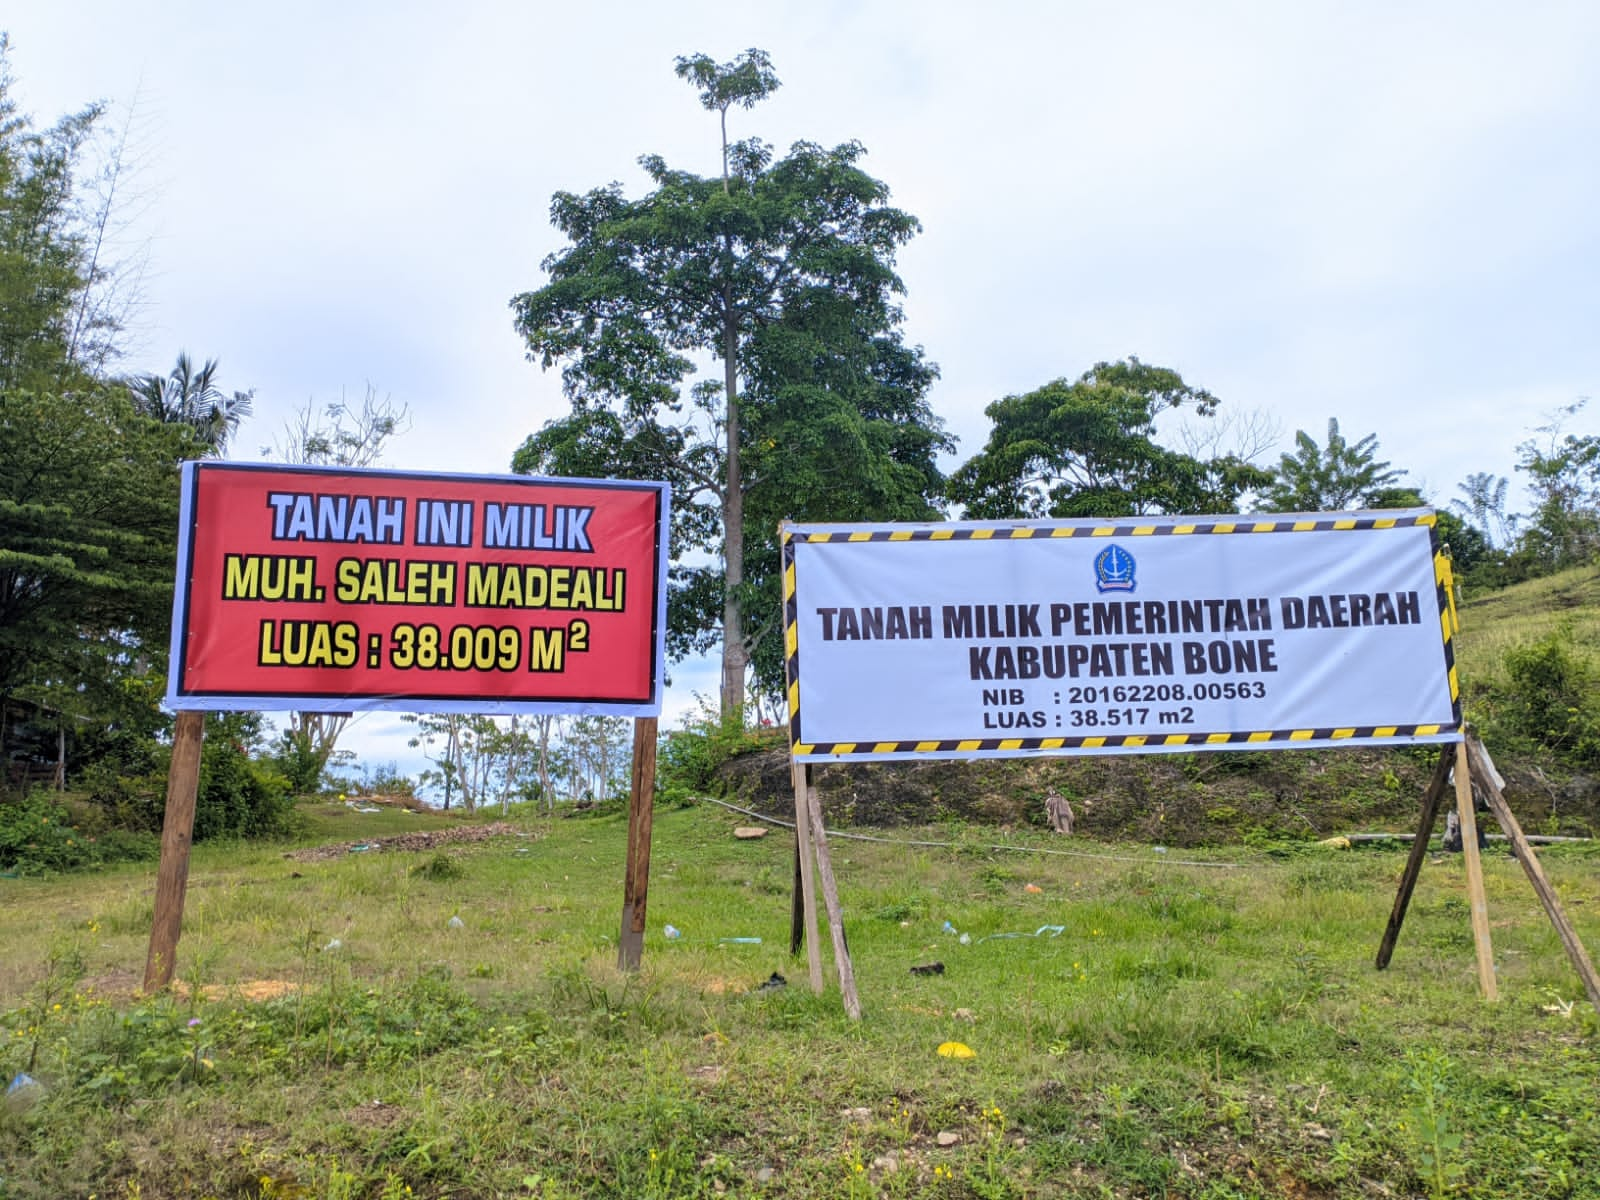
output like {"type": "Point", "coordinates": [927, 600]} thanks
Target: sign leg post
{"type": "Point", "coordinates": [1419, 850]}
{"type": "Point", "coordinates": [830, 895]}
{"type": "Point", "coordinates": [641, 810]}
{"type": "Point", "coordinates": [806, 897]}
{"type": "Point", "coordinates": [1475, 893]}
{"type": "Point", "coordinates": [1576, 954]}
{"type": "Point", "coordinates": [177, 832]}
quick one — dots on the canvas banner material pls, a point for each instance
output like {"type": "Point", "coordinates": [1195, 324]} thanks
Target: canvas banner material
{"type": "Point", "coordinates": [1147, 635]}
{"type": "Point", "coordinates": [350, 590]}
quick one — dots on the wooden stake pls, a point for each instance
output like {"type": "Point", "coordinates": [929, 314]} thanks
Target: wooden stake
{"type": "Point", "coordinates": [830, 894]}
{"type": "Point", "coordinates": [1419, 850]}
{"type": "Point", "coordinates": [177, 833]}
{"type": "Point", "coordinates": [806, 897]}
{"type": "Point", "coordinates": [641, 810]}
{"type": "Point", "coordinates": [1576, 954]}
{"type": "Point", "coordinates": [1475, 892]}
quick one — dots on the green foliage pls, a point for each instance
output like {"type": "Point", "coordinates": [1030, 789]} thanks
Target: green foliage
{"type": "Point", "coordinates": [44, 264]}
{"type": "Point", "coordinates": [687, 763]}
{"type": "Point", "coordinates": [1563, 474]}
{"type": "Point", "coordinates": [1553, 697]}
{"type": "Point", "coordinates": [1339, 475]}
{"type": "Point", "coordinates": [240, 796]}
{"type": "Point", "coordinates": [88, 506]}
{"type": "Point", "coordinates": [784, 271]}
{"type": "Point", "coordinates": [441, 868]}
{"type": "Point", "coordinates": [190, 397]}
{"type": "Point", "coordinates": [300, 761]}
{"type": "Point", "coordinates": [1439, 1146]}
{"type": "Point", "coordinates": [38, 835]}
{"type": "Point", "coordinates": [1088, 448]}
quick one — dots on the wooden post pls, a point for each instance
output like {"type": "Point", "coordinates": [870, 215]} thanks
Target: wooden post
{"type": "Point", "coordinates": [1419, 850]}
{"type": "Point", "coordinates": [830, 894]}
{"type": "Point", "coordinates": [1576, 954]}
{"type": "Point", "coordinates": [1475, 893]}
{"type": "Point", "coordinates": [806, 897]}
{"type": "Point", "coordinates": [177, 833]}
{"type": "Point", "coordinates": [641, 810]}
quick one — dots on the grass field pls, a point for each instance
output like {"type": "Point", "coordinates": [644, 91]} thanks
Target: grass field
{"type": "Point", "coordinates": [1191, 1031]}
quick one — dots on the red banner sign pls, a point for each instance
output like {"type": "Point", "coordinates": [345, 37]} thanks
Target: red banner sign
{"type": "Point", "coordinates": [349, 590]}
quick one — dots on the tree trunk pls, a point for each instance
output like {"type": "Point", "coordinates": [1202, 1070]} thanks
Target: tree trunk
{"type": "Point", "coordinates": [735, 655]}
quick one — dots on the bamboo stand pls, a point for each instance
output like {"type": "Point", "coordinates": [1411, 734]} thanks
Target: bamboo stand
{"type": "Point", "coordinates": [812, 839]}
{"type": "Point", "coordinates": [1472, 768]}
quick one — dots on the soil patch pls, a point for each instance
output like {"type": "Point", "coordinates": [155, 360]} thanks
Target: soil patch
{"type": "Point", "coordinates": [408, 841]}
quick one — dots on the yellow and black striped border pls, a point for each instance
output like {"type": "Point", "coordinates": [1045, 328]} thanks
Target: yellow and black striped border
{"type": "Point", "coordinates": [1118, 743]}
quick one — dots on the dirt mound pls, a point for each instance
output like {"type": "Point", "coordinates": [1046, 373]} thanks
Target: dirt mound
{"type": "Point", "coordinates": [408, 841]}
{"type": "Point", "coordinates": [1217, 798]}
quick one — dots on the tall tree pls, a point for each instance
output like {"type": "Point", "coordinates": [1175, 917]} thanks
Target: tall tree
{"type": "Point", "coordinates": [88, 508]}
{"type": "Point", "coordinates": [1483, 502]}
{"type": "Point", "coordinates": [1563, 472]}
{"type": "Point", "coordinates": [784, 271]}
{"type": "Point", "coordinates": [1328, 478]}
{"type": "Point", "coordinates": [190, 396]}
{"type": "Point", "coordinates": [44, 264]}
{"type": "Point", "coordinates": [1087, 448]}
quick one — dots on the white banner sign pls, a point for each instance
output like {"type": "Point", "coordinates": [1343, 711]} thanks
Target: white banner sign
{"type": "Point", "coordinates": [1154, 634]}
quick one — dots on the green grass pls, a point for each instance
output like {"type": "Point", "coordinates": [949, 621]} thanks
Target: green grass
{"type": "Point", "coordinates": [1192, 1032]}
{"type": "Point", "coordinates": [1497, 621]}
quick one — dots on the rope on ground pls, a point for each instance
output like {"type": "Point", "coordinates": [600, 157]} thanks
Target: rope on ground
{"type": "Point", "coordinates": [866, 837]}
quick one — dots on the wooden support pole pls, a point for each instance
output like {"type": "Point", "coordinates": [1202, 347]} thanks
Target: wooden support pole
{"type": "Point", "coordinates": [641, 809]}
{"type": "Point", "coordinates": [1576, 954]}
{"type": "Point", "coordinates": [806, 897]}
{"type": "Point", "coordinates": [830, 895]}
{"type": "Point", "coordinates": [1419, 850]}
{"type": "Point", "coordinates": [177, 833]}
{"type": "Point", "coordinates": [1475, 892]}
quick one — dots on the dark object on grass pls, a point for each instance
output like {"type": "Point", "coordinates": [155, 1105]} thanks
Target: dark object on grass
{"type": "Point", "coordinates": [773, 983]}
{"type": "Point", "coordinates": [1452, 834]}
{"type": "Point", "coordinates": [933, 968]}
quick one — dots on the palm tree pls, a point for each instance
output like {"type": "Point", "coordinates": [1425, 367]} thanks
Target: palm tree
{"type": "Point", "coordinates": [189, 397]}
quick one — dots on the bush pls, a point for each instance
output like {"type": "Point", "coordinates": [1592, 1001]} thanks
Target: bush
{"type": "Point", "coordinates": [39, 834]}
{"type": "Point", "coordinates": [689, 758]}
{"type": "Point", "coordinates": [239, 796]}
{"type": "Point", "coordinates": [1552, 698]}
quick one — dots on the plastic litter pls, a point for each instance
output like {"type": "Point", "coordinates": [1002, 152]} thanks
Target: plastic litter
{"type": "Point", "coordinates": [1052, 930]}
{"type": "Point", "coordinates": [673, 933]}
{"type": "Point", "coordinates": [742, 941]}
{"type": "Point", "coordinates": [965, 939]}
{"type": "Point", "coordinates": [332, 945]}
{"type": "Point", "coordinates": [456, 923]}
{"type": "Point", "coordinates": [956, 1050]}
{"type": "Point", "coordinates": [949, 928]}
{"type": "Point", "coordinates": [359, 847]}
{"type": "Point", "coordinates": [773, 983]}
{"type": "Point", "coordinates": [933, 968]}
{"type": "Point", "coordinates": [23, 1084]}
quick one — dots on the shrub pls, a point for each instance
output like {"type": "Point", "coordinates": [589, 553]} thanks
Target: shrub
{"type": "Point", "coordinates": [39, 834]}
{"type": "Point", "coordinates": [1552, 698]}
{"type": "Point", "coordinates": [689, 757]}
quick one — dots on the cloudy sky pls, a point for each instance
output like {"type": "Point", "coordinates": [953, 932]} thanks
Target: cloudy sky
{"type": "Point", "coordinates": [1380, 212]}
